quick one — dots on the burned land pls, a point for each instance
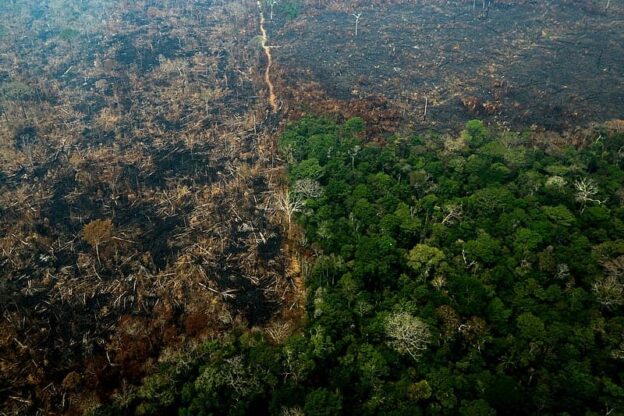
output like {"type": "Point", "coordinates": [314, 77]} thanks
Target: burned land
{"type": "Point", "coordinates": [138, 194]}
{"type": "Point", "coordinates": [144, 207]}
{"type": "Point", "coordinates": [517, 64]}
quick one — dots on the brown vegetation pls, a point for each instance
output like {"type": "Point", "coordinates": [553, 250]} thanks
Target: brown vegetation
{"type": "Point", "coordinates": [136, 198]}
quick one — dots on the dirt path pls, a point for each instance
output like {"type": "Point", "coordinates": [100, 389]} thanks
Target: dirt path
{"type": "Point", "coordinates": [267, 71]}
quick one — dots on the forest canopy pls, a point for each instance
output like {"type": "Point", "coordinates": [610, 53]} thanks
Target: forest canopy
{"type": "Point", "coordinates": [472, 276]}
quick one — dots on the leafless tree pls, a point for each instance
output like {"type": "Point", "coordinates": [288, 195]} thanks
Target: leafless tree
{"type": "Point", "coordinates": [452, 214]}
{"type": "Point", "coordinates": [353, 153]}
{"type": "Point", "coordinates": [563, 271]}
{"type": "Point", "coordinates": [308, 188]}
{"type": "Point", "coordinates": [289, 203]}
{"type": "Point", "coordinates": [408, 334]}
{"type": "Point", "coordinates": [357, 21]}
{"type": "Point", "coordinates": [586, 191]}
{"type": "Point", "coordinates": [609, 290]}
{"type": "Point", "coordinates": [272, 4]}
{"type": "Point", "coordinates": [239, 377]}
{"type": "Point", "coordinates": [615, 267]}
{"type": "Point", "coordinates": [292, 411]}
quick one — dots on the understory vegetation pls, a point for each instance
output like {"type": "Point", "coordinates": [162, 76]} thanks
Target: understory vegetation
{"type": "Point", "coordinates": [474, 275]}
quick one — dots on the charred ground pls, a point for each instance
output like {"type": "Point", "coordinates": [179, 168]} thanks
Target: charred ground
{"type": "Point", "coordinates": [140, 187]}
{"type": "Point", "coordinates": [555, 65]}
{"type": "Point", "coordinates": [138, 191]}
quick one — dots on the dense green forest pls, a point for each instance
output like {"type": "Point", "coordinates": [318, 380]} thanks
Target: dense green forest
{"type": "Point", "coordinates": [476, 275]}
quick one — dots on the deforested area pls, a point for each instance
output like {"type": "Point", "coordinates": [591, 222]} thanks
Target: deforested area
{"type": "Point", "coordinates": [311, 207]}
{"type": "Point", "coordinates": [138, 194]}
{"type": "Point", "coordinates": [516, 63]}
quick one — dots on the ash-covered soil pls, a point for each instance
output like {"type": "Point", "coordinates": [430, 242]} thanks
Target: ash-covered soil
{"type": "Point", "coordinates": [524, 64]}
